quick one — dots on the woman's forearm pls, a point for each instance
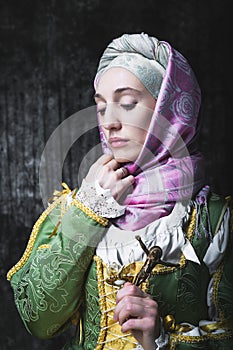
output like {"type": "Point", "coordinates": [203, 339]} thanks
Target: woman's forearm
{"type": "Point", "coordinates": [48, 285]}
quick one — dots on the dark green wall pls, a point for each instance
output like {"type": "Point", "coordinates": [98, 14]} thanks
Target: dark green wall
{"type": "Point", "coordinates": [48, 55]}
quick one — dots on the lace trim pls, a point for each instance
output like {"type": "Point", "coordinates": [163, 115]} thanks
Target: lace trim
{"type": "Point", "coordinates": [99, 200]}
{"type": "Point", "coordinates": [89, 212]}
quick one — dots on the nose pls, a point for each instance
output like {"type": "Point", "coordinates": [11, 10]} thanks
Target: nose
{"type": "Point", "coordinates": [111, 119]}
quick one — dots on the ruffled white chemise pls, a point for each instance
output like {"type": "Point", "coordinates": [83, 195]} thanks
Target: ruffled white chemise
{"type": "Point", "coordinates": [119, 247]}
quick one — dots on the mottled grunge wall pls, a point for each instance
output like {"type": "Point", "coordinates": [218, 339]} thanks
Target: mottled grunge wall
{"type": "Point", "coordinates": [48, 56]}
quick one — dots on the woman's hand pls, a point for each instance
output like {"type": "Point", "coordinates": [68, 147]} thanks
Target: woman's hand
{"type": "Point", "coordinates": [110, 175]}
{"type": "Point", "coordinates": [137, 312]}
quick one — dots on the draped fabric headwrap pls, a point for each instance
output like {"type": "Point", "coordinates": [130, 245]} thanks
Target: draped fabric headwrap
{"type": "Point", "coordinates": [168, 169]}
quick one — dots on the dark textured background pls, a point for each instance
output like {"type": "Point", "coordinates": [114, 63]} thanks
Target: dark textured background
{"type": "Point", "coordinates": [48, 56]}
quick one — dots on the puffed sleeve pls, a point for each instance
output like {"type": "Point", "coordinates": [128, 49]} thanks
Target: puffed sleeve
{"type": "Point", "coordinates": [48, 280]}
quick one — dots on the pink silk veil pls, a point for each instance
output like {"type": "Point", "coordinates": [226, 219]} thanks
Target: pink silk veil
{"type": "Point", "coordinates": [169, 168]}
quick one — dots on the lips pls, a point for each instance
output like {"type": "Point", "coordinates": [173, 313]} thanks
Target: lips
{"type": "Point", "coordinates": [117, 141]}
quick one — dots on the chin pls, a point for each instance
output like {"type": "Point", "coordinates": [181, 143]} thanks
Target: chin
{"type": "Point", "coordinates": [121, 159]}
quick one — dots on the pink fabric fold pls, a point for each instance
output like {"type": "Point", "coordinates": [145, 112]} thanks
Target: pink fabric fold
{"type": "Point", "coordinates": [169, 168]}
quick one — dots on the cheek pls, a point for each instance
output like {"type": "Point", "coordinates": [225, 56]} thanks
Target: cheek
{"type": "Point", "coordinates": [142, 124]}
{"type": "Point", "coordinates": [142, 136]}
{"type": "Point", "coordinates": [137, 135]}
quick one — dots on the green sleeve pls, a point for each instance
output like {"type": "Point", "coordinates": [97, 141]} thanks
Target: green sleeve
{"type": "Point", "coordinates": [48, 279]}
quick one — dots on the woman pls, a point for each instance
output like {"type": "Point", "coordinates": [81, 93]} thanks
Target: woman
{"type": "Point", "coordinates": [169, 288]}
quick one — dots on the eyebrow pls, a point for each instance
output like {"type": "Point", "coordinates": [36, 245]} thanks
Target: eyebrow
{"type": "Point", "coordinates": [120, 91]}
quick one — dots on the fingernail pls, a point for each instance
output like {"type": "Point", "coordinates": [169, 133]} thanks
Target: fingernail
{"type": "Point", "coordinates": [132, 179]}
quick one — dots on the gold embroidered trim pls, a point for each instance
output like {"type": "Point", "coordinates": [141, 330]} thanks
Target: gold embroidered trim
{"type": "Point", "coordinates": [103, 320]}
{"type": "Point", "coordinates": [43, 246]}
{"type": "Point", "coordinates": [32, 239]}
{"type": "Point", "coordinates": [192, 224]}
{"type": "Point", "coordinates": [217, 277]}
{"type": "Point", "coordinates": [90, 213]}
{"type": "Point", "coordinates": [110, 336]}
{"type": "Point", "coordinates": [180, 338]}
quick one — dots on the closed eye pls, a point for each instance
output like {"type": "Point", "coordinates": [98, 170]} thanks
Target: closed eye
{"type": "Point", "coordinates": [101, 111]}
{"type": "Point", "coordinates": [128, 106]}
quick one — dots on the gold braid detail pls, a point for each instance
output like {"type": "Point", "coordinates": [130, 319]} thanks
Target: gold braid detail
{"type": "Point", "coordinates": [192, 224]}
{"type": "Point", "coordinates": [178, 338]}
{"type": "Point", "coordinates": [43, 246]}
{"type": "Point", "coordinates": [217, 277]}
{"type": "Point", "coordinates": [90, 213]}
{"type": "Point", "coordinates": [103, 320]}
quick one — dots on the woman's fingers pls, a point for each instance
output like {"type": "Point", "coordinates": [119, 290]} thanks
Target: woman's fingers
{"type": "Point", "coordinates": [135, 307]}
{"type": "Point", "coordinates": [122, 172]}
{"type": "Point", "coordinates": [137, 312]}
{"type": "Point", "coordinates": [130, 289]}
{"type": "Point", "coordinates": [105, 158]}
{"type": "Point", "coordinates": [122, 187]}
{"type": "Point", "coordinates": [132, 301]}
{"type": "Point", "coordinates": [112, 164]}
{"type": "Point", "coordinates": [110, 175]}
{"type": "Point", "coordinates": [104, 164]}
{"type": "Point", "coordinates": [138, 324]}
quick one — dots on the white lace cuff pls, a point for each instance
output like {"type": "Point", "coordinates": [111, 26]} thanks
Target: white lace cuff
{"type": "Point", "coordinates": [101, 201]}
{"type": "Point", "coordinates": [161, 342]}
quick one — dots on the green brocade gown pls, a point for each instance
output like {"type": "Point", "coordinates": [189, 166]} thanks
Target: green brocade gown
{"type": "Point", "coordinates": [59, 282]}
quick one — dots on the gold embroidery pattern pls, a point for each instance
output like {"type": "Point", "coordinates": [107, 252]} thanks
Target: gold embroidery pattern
{"type": "Point", "coordinates": [43, 246]}
{"type": "Point", "coordinates": [32, 239]}
{"type": "Point", "coordinates": [217, 277]}
{"type": "Point", "coordinates": [110, 336]}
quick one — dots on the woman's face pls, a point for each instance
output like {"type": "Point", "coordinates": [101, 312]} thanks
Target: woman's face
{"type": "Point", "coordinates": [124, 108]}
